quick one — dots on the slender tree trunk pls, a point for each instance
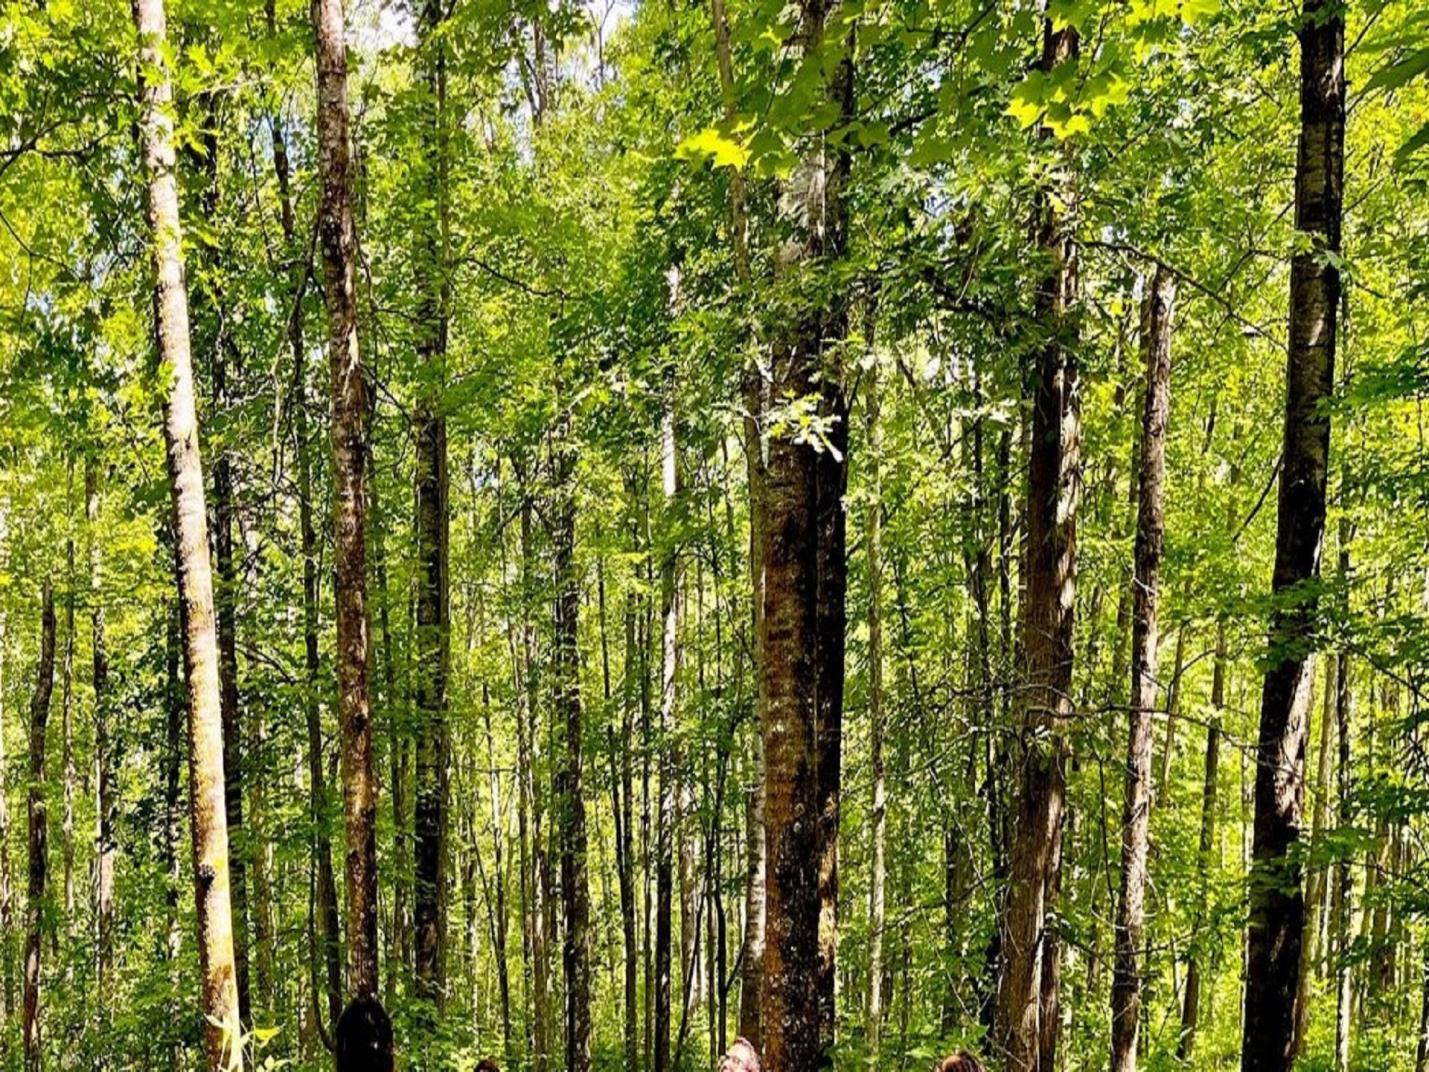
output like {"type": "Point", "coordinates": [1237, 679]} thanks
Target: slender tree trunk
{"type": "Point", "coordinates": [623, 777]}
{"type": "Point", "coordinates": [225, 592]}
{"type": "Point", "coordinates": [499, 929]}
{"type": "Point", "coordinates": [67, 726]}
{"type": "Point", "coordinates": [338, 239]}
{"type": "Point", "coordinates": [105, 844]}
{"type": "Point", "coordinates": [432, 523]}
{"type": "Point", "coordinates": [1191, 1002]}
{"type": "Point", "coordinates": [669, 674]}
{"type": "Point", "coordinates": [218, 994]}
{"type": "Point", "coordinates": [570, 719]}
{"type": "Point", "coordinates": [7, 889]}
{"type": "Point", "coordinates": [173, 758]}
{"type": "Point", "coordinates": [1126, 990]}
{"type": "Point", "coordinates": [1387, 850]}
{"type": "Point", "coordinates": [1318, 887]}
{"type": "Point", "coordinates": [878, 816]}
{"type": "Point", "coordinates": [325, 893]}
{"type": "Point", "coordinates": [753, 943]}
{"type": "Point", "coordinates": [1027, 995]}
{"type": "Point", "coordinates": [1277, 906]}
{"type": "Point", "coordinates": [530, 813]}
{"type": "Point", "coordinates": [37, 814]}
{"type": "Point", "coordinates": [1421, 1052]}
{"type": "Point", "coordinates": [1344, 867]}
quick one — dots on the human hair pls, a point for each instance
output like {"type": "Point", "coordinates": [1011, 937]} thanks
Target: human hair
{"type": "Point", "coordinates": [364, 1037]}
{"type": "Point", "coordinates": [962, 1061]}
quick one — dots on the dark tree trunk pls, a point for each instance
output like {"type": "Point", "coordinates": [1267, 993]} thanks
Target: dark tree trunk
{"type": "Point", "coordinates": [432, 523]}
{"type": "Point", "coordinates": [1027, 998]}
{"type": "Point", "coordinates": [39, 827]}
{"type": "Point", "coordinates": [570, 720]}
{"type": "Point", "coordinates": [801, 643]}
{"type": "Point", "coordinates": [1277, 909]}
{"type": "Point", "coordinates": [1146, 596]}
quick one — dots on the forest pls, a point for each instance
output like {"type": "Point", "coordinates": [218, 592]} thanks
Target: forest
{"type": "Point", "coordinates": [552, 535]}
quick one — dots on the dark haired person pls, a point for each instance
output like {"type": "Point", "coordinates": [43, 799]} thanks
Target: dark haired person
{"type": "Point", "coordinates": [364, 1037]}
{"type": "Point", "coordinates": [962, 1061]}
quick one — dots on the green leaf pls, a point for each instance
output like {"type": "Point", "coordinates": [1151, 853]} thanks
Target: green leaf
{"type": "Point", "coordinates": [723, 151]}
{"type": "Point", "coordinates": [1399, 73]}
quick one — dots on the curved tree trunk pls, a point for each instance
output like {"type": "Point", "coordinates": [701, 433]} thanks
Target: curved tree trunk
{"type": "Point", "coordinates": [218, 993]}
{"type": "Point", "coordinates": [1277, 908]}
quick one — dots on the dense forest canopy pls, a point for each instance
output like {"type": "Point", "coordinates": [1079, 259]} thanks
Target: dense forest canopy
{"type": "Point", "coordinates": [592, 530]}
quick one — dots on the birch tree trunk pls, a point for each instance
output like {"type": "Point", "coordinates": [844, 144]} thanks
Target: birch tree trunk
{"type": "Point", "coordinates": [222, 1031]}
{"type": "Point", "coordinates": [1277, 908]}
{"type": "Point", "coordinates": [669, 675]}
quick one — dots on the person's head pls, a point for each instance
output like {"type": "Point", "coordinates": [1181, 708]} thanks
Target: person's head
{"type": "Point", "coordinates": [486, 1064]}
{"type": "Point", "coordinates": [364, 1037]}
{"type": "Point", "coordinates": [962, 1061]}
{"type": "Point", "coordinates": [742, 1057]}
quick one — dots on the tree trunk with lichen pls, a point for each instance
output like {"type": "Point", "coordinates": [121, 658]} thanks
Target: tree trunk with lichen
{"type": "Point", "coordinates": [337, 239]}
{"type": "Point", "coordinates": [218, 1002]}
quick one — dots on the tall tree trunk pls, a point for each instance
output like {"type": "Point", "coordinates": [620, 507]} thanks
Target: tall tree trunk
{"type": "Point", "coordinates": [37, 814]}
{"type": "Point", "coordinates": [104, 758]}
{"type": "Point", "coordinates": [1277, 908]}
{"type": "Point", "coordinates": [622, 776]}
{"type": "Point", "coordinates": [1027, 993]}
{"type": "Point", "coordinates": [1146, 597]}
{"type": "Point", "coordinates": [669, 674]}
{"type": "Point", "coordinates": [225, 592]}
{"type": "Point", "coordinates": [1344, 867]}
{"type": "Point", "coordinates": [1318, 887]}
{"type": "Point", "coordinates": [67, 719]}
{"type": "Point", "coordinates": [1191, 1001]}
{"type": "Point", "coordinates": [218, 994]}
{"type": "Point", "coordinates": [432, 523]}
{"type": "Point", "coordinates": [173, 758]}
{"type": "Point", "coordinates": [7, 888]}
{"type": "Point", "coordinates": [878, 816]}
{"type": "Point", "coordinates": [570, 720]}
{"type": "Point", "coordinates": [530, 812]}
{"type": "Point", "coordinates": [499, 929]}
{"type": "Point", "coordinates": [328, 921]}
{"type": "Point", "coordinates": [753, 941]}
{"type": "Point", "coordinates": [800, 661]}
{"type": "Point", "coordinates": [325, 893]}
{"type": "Point", "coordinates": [338, 239]}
